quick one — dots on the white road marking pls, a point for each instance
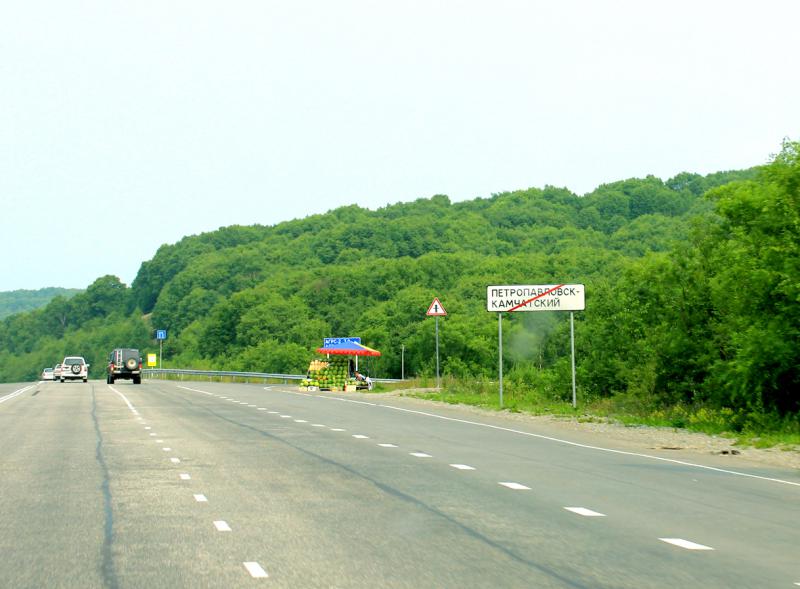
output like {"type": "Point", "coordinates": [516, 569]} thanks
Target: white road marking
{"type": "Point", "coordinates": [147, 427]}
{"type": "Point", "coordinates": [300, 421]}
{"type": "Point", "coordinates": [255, 570]}
{"type": "Point", "coordinates": [387, 445]}
{"type": "Point", "coordinates": [175, 460]}
{"type": "Point", "coordinates": [167, 449]}
{"type": "Point", "coordinates": [153, 434]}
{"type": "Point", "coordinates": [685, 544]}
{"type": "Point", "coordinates": [251, 405]}
{"type": "Point", "coordinates": [574, 444]}
{"type": "Point", "coordinates": [318, 425]}
{"type": "Point", "coordinates": [338, 429]}
{"type": "Point", "coordinates": [159, 441]}
{"type": "Point", "coordinates": [185, 477]}
{"type": "Point", "coordinates": [272, 412]}
{"type": "Point", "coordinates": [462, 467]}
{"type": "Point", "coordinates": [360, 437]}
{"type": "Point", "coordinates": [16, 393]}
{"type": "Point", "coordinates": [286, 416]}
{"type": "Point", "coordinates": [420, 455]}
{"type": "Point", "coordinates": [200, 498]}
{"type": "Point", "coordinates": [262, 408]}
{"type": "Point", "coordinates": [124, 398]}
{"type": "Point", "coordinates": [222, 526]}
{"type": "Point", "coordinates": [515, 486]}
{"type": "Point", "coordinates": [585, 512]}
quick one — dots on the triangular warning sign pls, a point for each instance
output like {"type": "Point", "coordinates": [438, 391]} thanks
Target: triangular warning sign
{"type": "Point", "coordinates": [436, 309]}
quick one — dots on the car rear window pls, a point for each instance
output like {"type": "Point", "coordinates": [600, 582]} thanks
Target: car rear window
{"type": "Point", "coordinates": [130, 353]}
{"type": "Point", "coordinates": [71, 361]}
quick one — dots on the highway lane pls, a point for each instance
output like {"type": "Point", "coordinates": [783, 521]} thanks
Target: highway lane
{"type": "Point", "coordinates": [318, 492]}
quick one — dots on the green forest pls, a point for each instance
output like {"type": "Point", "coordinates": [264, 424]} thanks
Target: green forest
{"type": "Point", "coordinates": [692, 292]}
{"type": "Point", "coordinates": [17, 301]}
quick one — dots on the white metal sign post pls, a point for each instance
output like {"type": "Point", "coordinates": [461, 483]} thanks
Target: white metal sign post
{"type": "Point", "coordinates": [436, 310]}
{"type": "Point", "coordinates": [536, 297]}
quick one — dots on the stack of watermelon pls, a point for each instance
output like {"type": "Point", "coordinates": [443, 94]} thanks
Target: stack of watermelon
{"type": "Point", "coordinates": [333, 375]}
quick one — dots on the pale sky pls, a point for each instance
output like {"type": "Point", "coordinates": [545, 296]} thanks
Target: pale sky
{"type": "Point", "coordinates": [126, 125]}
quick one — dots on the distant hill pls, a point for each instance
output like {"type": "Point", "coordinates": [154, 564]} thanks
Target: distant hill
{"type": "Point", "coordinates": [691, 294]}
{"type": "Point", "coordinates": [18, 301]}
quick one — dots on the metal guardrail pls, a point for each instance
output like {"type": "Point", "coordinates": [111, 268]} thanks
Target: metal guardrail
{"type": "Point", "coordinates": [212, 374]}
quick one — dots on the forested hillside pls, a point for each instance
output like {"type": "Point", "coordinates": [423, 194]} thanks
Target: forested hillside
{"type": "Point", "coordinates": [692, 291]}
{"type": "Point", "coordinates": [18, 301]}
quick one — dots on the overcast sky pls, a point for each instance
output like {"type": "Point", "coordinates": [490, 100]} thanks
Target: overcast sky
{"type": "Point", "coordinates": [126, 125]}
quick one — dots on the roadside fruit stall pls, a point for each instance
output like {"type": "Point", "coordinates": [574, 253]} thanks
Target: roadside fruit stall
{"type": "Point", "coordinates": [337, 372]}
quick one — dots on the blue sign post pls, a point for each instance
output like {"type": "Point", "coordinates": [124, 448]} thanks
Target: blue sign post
{"type": "Point", "coordinates": [161, 335]}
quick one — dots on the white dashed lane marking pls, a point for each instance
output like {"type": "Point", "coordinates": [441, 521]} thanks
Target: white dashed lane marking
{"type": "Point", "coordinates": [585, 512]}
{"type": "Point", "coordinates": [255, 570]}
{"type": "Point", "coordinates": [175, 460]}
{"type": "Point", "coordinates": [515, 486]}
{"type": "Point", "coordinates": [338, 429]}
{"type": "Point", "coordinates": [462, 467]}
{"type": "Point", "coordinates": [222, 526]}
{"type": "Point", "coordinates": [201, 498]}
{"type": "Point", "coordinates": [360, 437]}
{"type": "Point", "coordinates": [420, 455]}
{"type": "Point", "coordinates": [300, 421]}
{"type": "Point", "coordinates": [688, 545]}
{"type": "Point", "coordinates": [286, 416]}
{"type": "Point", "coordinates": [147, 427]}
{"type": "Point", "coordinates": [387, 445]}
{"type": "Point", "coordinates": [318, 425]}
{"type": "Point", "coordinates": [167, 449]}
{"type": "Point", "coordinates": [185, 477]}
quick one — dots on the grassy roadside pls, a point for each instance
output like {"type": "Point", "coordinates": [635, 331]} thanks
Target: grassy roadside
{"type": "Point", "coordinates": [752, 429]}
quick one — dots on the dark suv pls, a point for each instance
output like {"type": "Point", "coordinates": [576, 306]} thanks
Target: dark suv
{"type": "Point", "coordinates": [124, 363]}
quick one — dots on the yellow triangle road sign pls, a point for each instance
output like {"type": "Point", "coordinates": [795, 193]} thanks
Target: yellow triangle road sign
{"type": "Point", "coordinates": [436, 309]}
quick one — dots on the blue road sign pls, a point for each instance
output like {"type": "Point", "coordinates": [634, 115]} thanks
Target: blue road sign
{"type": "Point", "coordinates": [161, 334]}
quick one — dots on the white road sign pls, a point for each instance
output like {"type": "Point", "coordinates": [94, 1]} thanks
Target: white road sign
{"type": "Point", "coordinates": [436, 309]}
{"type": "Point", "coordinates": [535, 297]}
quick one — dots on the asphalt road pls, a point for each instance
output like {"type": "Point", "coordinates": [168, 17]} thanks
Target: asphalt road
{"type": "Point", "coordinates": [171, 484]}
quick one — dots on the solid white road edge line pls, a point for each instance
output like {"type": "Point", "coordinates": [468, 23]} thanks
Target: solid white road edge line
{"type": "Point", "coordinates": [16, 393]}
{"type": "Point", "coordinates": [124, 398]}
{"type": "Point", "coordinates": [560, 441]}
{"type": "Point", "coordinates": [685, 544]}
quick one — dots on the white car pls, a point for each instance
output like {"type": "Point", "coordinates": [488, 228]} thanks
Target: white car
{"type": "Point", "coordinates": [47, 374]}
{"type": "Point", "coordinates": [73, 368]}
{"type": "Point", "coordinates": [57, 372]}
